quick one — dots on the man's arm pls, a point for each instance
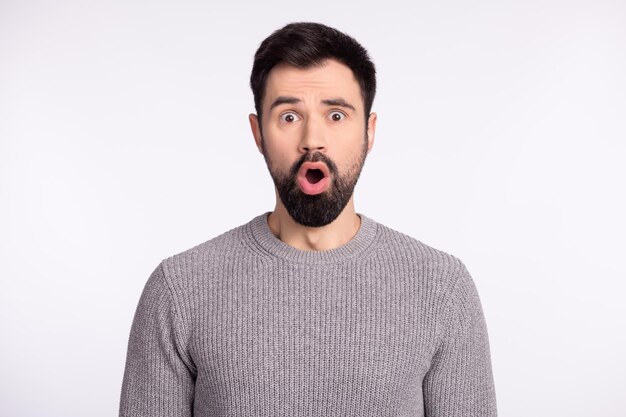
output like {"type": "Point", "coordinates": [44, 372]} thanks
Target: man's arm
{"type": "Point", "coordinates": [159, 378]}
{"type": "Point", "coordinates": [460, 381]}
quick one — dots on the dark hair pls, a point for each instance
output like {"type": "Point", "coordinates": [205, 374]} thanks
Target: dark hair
{"type": "Point", "coordinates": [304, 45]}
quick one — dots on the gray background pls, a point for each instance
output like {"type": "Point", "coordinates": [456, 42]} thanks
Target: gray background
{"type": "Point", "coordinates": [501, 139]}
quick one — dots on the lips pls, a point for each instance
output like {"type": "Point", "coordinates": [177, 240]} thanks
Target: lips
{"type": "Point", "coordinates": [313, 177]}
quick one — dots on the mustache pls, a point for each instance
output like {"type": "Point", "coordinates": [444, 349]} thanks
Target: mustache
{"type": "Point", "coordinates": [313, 157]}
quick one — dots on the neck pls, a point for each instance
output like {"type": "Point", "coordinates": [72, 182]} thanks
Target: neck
{"type": "Point", "coordinates": [335, 234]}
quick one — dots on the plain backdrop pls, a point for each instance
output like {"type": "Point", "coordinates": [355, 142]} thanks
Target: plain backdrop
{"type": "Point", "coordinates": [501, 139]}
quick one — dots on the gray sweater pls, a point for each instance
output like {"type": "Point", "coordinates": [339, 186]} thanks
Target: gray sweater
{"type": "Point", "coordinates": [246, 325]}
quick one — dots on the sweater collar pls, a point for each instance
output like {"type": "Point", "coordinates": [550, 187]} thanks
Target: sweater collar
{"type": "Point", "coordinates": [360, 243]}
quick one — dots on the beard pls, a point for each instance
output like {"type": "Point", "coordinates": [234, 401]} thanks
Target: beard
{"type": "Point", "coordinates": [320, 209]}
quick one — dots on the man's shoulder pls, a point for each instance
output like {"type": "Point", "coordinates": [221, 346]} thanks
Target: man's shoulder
{"type": "Point", "coordinates": [408, 249]}
{"type": "Point", "coordinates": [227, 245]}
{"type": "Point", "coordinates": [397, 241]}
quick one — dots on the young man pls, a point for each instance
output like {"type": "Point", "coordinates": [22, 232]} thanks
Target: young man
{"type": "Point", "coordinates": [312, 309]}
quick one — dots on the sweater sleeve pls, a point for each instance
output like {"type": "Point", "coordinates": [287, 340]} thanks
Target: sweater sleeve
{"type": "Point", "coordinates": [460, 380]}
{"type": "Point", "coordinates": [159, 377]}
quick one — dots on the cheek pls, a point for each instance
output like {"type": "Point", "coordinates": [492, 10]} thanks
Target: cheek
{"type": "Point", "coordinates": [350, 151]}
{"type": "Point", "coordinates": [281, 158]}
{"type": "Point", "coordinates": [279, 155]}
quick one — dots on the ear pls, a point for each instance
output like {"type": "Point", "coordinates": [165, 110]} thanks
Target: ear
{"type": "Point", "coordinates": [371, 130]}
{"type": "Point", "coordinates": [256, 130]}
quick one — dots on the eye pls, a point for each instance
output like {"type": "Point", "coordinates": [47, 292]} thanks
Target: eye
{"type": "Point", "coordinates": [289, 117]}
{"type": "Point", "coordinates": [337, 116]}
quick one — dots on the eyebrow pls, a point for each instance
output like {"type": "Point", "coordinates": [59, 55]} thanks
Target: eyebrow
{"type": "Point", "coordinates": [338, 102]}
{"type": "Point", "coordinates": [284, 100]}
{"type": "Point", "coordinates": [294, 100]}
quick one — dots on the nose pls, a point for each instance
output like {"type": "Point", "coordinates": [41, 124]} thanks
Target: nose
{"type": "Point", "coordinates": [313, 137]}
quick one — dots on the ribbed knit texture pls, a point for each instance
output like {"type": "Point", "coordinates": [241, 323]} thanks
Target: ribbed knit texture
{"type": "Point", "coordinates": [246, 325]}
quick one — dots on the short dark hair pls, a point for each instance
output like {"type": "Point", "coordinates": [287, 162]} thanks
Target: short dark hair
{"type": "Point", "coordinates": [305, 44]}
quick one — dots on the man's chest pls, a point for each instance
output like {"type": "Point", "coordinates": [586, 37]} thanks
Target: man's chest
{"type": "Point", "coordinates": [316, 334]}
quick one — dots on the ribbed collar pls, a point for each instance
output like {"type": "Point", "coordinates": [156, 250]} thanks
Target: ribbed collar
{"type": "Point", "coordinates": [262, 236]}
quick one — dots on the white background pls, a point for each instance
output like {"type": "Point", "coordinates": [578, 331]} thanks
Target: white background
{"type": "Point", "coordinates": [501, 139]}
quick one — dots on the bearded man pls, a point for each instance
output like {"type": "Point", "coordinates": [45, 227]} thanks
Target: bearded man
{"type": "Point", "coordinates": [311, 309]}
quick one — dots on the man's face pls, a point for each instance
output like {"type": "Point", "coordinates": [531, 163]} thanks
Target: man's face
{"type": "Point", "coordinates": [314, 138]}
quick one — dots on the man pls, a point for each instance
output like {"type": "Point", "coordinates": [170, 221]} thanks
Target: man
{"type": "Point", "coordinates": [312, 309]}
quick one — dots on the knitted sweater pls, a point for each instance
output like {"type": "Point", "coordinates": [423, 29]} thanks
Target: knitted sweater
{"type": "Point", "coordinates": [246, 325]}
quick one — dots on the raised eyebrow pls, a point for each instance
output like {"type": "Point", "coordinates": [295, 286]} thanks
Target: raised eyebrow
{"type": "Point", "coordinates": [338, 102]}
{"type": "Point", "coordinates": [284, 100]}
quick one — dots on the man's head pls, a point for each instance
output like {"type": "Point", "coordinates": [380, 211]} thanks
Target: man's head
{"type": "Point", "coordinates": [305, 45]}
{"type": "Point", "coordinates": [313, 89]}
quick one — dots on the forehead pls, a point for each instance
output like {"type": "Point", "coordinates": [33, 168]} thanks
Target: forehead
{"type": "Point", "coordinates": [331, 79]}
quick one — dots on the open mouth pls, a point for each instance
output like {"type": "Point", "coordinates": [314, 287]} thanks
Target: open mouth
{"type": "Point", "coordinates": [313, 177]}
